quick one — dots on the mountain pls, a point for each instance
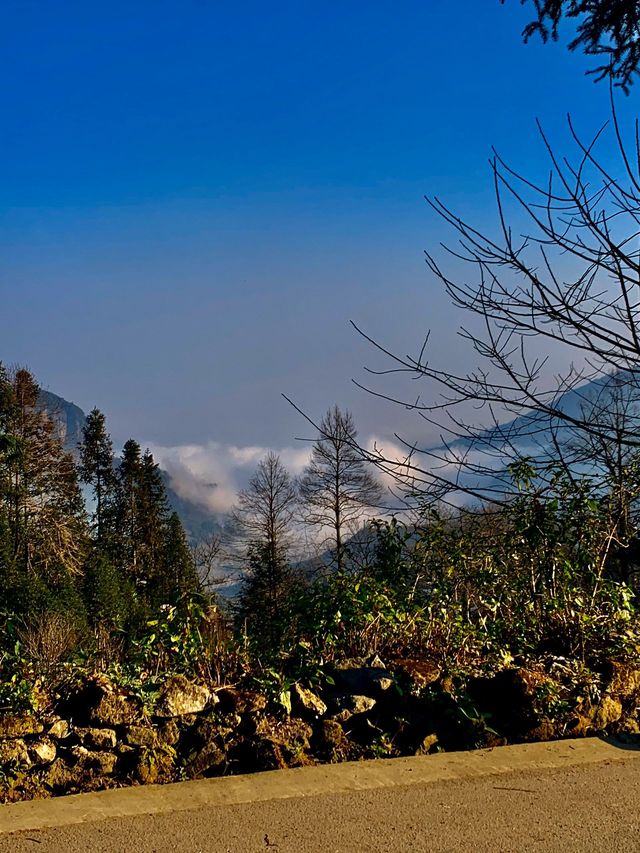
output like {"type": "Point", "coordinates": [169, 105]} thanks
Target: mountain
{"type": "Point", "coordinates": [199, 524]}
{"type": "Point", "coordinates": [68, 418]}
{"type": "Point", "coordinates": [536, 436]}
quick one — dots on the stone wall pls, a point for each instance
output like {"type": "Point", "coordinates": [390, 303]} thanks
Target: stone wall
{"type": "Point", "coordinates": [98, 735]}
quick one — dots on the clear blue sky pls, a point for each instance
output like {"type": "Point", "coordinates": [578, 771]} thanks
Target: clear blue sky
{"type": "Point", "coordinates": [196, 197]}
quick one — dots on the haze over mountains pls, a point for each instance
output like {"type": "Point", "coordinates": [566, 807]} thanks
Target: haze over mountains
{"type": "Point", "coordinates": [201, 497]}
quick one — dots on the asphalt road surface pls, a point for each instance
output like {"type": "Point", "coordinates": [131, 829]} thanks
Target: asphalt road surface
{"type": "Point", "coordinates": [577, 807]}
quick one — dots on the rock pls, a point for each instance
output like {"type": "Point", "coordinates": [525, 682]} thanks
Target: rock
{"type": "Point", "coordinates": [60, 776]}
{"type": "Point", "coordinates": [607, 712]}
{"type": "Point", "coordinates": [516, 698]}
{"type": "Point", "coordinates": [419, 673]}
{"type": "Point", "coordinates": [622, 679]}
{"type": "Point", "coordinates": [153, 766]}
{"type": "Point", "coordinates": [629, 727]}
{"type": "Point", "coordinates": [208, 729]}
{"type": "Point", "coordinates": [579, 726]}
{"type": "Point", "coordinates": [545, 730]}
{"type": "Point", "coordinates": [97, 738]}
{"type": "Point", "coordinates": [168, 732]}
{"type": "Point", "coordinates": [179, 696]}
{"type": "Point", "coordinates": [206, 759]}
{"type": "Point", "coordinates": [347, 705]}
{"type": "Point", "coordinates": [102, 762]}
{"type": "Point", "coordinates": [241, 701]}
{"type": "Point", "coordinates": [42, 752]}
{"type": "Point", "coordinates": [142, 736]}
{"type": "Point", "coordinates": [231, 721]}
{"type": "Point", "coordinates": [19, 725]}
{"type": "Point", "coordinates": [370, 681]}
{"type": "Point", "coordinates": [114, 709]}
{"type": "Point", "coordinates": [278, 744]}
{"type": "Point", "coordinates": [14, 751]}
{"type": "Point", "coordinates": [332, 740]}
{"type": "Point", "coordinates": [205, 746]}
{"type": "Point", "coordinates": [305, 703]}
{"type": "Point", "coordinates": [79, 754]}
{"type": "Point", "coordinates": [447, 684]}
{"type": "Point", "coordinates": [59, 729]}
{"type": "Point", "coordinates": [291, 733]}
{"type": "Point", "coordinates": [98, 702]}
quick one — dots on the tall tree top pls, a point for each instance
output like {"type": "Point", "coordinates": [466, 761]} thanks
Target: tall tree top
{"type": "Point", "coordinates": [608, 29]}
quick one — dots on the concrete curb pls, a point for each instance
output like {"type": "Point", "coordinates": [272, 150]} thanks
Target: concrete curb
{"type": "Point", "coordinates": [306, 782]}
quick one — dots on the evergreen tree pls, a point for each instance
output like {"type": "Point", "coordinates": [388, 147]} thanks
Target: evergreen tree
{"type": "Point", "coordinates": [263, 605]}
{"type": "Point", "coordinates": [39, 490]}
{"type": "Point", "coordinates": [10, 593]}
{"type": "Point", "coordinates": [178, 576]}
{"type": "Point", "coordinates": [153, 515]}
{"type": "Point", "coordinates": [96, 469]}
{"type": "Point", "coordinates": [263, 521]}
{"type": "Point", "coordinates": [607, 29]}
{"type": "Point", "coordinates": [143, 516]}
{"type": "Point", "coordinates": [126, 511]}
{"type": "Point", "coordinates": [107, 594]}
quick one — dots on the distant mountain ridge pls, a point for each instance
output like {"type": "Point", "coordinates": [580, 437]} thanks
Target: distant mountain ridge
{"type": "Point", "coordinates": [69, 419]}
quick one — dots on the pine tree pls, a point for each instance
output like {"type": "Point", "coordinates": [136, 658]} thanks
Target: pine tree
{"type": "Point", "coordinates": [126, 509]}
{"type": "Point", "coordinates": [178, 576]}
{"type": "Point", "coordinates": [39, 489]}
{"type": "Point", "coordinates": [107, 594]}
{"type": "Point", "coordinates": [10, 593]}
{"type": "Point", "coordinates": [153, 515]}
{"type": "Point", "coordinates": [142, 514]}
{"type": "Point", "coordinates": [336, 488]}
{"type": "Point", "coordinates": [263, 521]}
{"type": "Point", "coordinates": [96, 470]}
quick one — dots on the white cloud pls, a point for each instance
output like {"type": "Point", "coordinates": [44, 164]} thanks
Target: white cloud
{"type": "Point", "coordinates": [211, 474]}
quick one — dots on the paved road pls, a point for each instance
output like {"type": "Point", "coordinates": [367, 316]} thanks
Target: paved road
{"type": "Point", "coordinates": [584, 806]}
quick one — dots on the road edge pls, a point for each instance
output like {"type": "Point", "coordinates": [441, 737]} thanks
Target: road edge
{"type": "Point", "coordinates": [307, 782]}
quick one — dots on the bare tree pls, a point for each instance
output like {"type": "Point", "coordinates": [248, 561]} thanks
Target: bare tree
{"type": "Point", "coordinates": [207, 555]}
{"type": "Point", "coordinates": [569, 277]}
{"type": "Point", "coordinates": [337, 488]}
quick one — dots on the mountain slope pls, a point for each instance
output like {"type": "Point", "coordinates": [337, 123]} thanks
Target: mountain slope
{"type": "Point", "coordinates": [199, 524]}
{"type": "Point", "coordinates": [68, 418]}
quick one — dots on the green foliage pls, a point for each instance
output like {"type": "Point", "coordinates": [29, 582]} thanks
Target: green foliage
{"type": "Point", "coordinates": [177, 576]}
{"type": "Point", "coordinates": [353, 615]}
{"type": "Point", "coordinates": [108, 595]}
{"type": "Point", "coordinates": [17, 673]}
{"type": "Point", "coordinates": [96, 469]}
{"type": "Point", "coordinates": [276, 685]}
{"type": "Point", "coordinates": [180, 639]}
{"type": "Point", "coordinates": [538, 576]}
{"type": "Point", "coordinates": [263, 610]}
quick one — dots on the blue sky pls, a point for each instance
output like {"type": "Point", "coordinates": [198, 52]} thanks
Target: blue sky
{"type": "Point", "coordinates": [196, 197]}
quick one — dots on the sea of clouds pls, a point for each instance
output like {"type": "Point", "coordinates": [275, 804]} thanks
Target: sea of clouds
{"type": "Point", "coordinates": [211, 475]}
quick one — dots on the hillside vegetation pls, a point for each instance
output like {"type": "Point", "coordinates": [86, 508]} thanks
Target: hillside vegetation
{"type": "Point", "coordinates": [445, 630]}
